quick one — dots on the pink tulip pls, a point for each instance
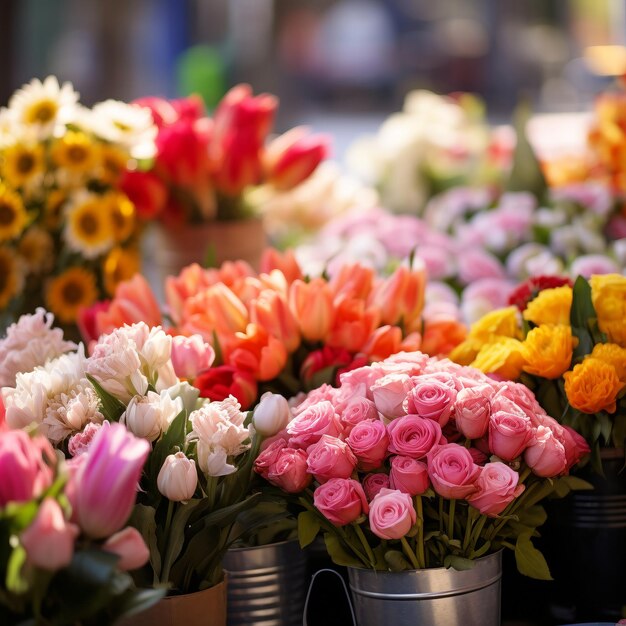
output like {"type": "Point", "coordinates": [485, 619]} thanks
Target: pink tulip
{"type": "Point", "coordinates": [191, 355]}
{"type": "Point", "coordinates": [130, 546]}
{"type": "Point", "coordinates": [49, 540]}
{"type": "Point", "coordinates": [105, 484]}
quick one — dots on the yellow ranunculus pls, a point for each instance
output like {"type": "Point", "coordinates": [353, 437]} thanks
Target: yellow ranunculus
{"type": "Point", "coordinates": [551, 306]}
{"type": "Point", "coordinates": [592, 386]}
{"type": "Point", "coordinates": [465, 352]}
{"type": "Point", "coordinates": [609, 299]}
{"type": "Point", "coordinates": [547, 351]}
{"type": "Point", "coordinates": [503, 357]}
{"type": "Point", "coordinates": [499, 323]}
{"type": "Point", "coordinates": [612, 354]}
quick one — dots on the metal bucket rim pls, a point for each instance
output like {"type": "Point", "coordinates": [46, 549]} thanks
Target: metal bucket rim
{"type": "Point", "coordinates": [269, 545]}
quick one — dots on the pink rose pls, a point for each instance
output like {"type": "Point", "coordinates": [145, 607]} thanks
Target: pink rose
{"type": "Point", "coordinates": [391, 514]}
{"type": "Point", "coordinates": [341, 500]}
{"type": "Point", "coordinates": [408, 475]}
{"type": "Point", "coordinates": [472, 410]}
{"type": "Point", "coordinates": [130, 546]}
{"type": "Point", "coordinates": [452, 471]}
{"type": "Point", "coordinates": [430, 398]}
{"type": "Point", "coordinates": [308, 427]}
{"type": "Point", "coordinates": [575, 446]}
{"type": "Point", "coordinates": [496, 488]}
{"type": "Point", "coordinates": [268, 457]}
{"type": "Point", "coordinates": [323, 392]}
{"type": "Point", "coordinates": [330, 458]}
{"type": "Point", "coordinates": [523, 399]}
{"type": "Point", "coordinates": [546, 455]}
{"type": "Point", "coordinates": [289, 471]}
{"type": "Point", "coordinates": [413, 436]}
{"type": "Point", "coordinates": [364, 377]}
{"type": "Point", "coordinates": [357, 409]}
{"type": "Point", "coordinates": [389, 393]}
{"type": "Point", "coordinates": [373, 483]}
{"type": "Point", "coordinates": [509, 434]}
{"type": "Point", "coordinates": [369, 442]}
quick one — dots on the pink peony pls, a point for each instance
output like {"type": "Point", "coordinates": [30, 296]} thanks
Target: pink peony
{"type": "Point", "coordinates": [496, 488]}
{"type": "Point", "coordinates": [369, 442]}
{"type": "Point", "coordinates": [341, 500]}
{"type": "Point", "coordinates": [408, 475]}
{"type": "Point", "coordinates": [330, 458]}
{"type": "Point", "coordinates": [391, 514]}
{"type": "Point", "coordinates": [452, 471]}
{"type": "Point", "coordinates": [373, 483]}
{"type": "Point", "coordinates": [308, 427]}
{"type": "Point", "coordinates": [413, 436]}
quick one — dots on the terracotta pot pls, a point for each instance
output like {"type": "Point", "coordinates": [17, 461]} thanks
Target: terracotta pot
{"type": "Point", "coordinates": [203, 608]}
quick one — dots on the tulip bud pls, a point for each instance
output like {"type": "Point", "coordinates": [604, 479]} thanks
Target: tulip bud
{"type": "Point", "coordinates": [49, 540]}
{"type": "Point", "coordinates": [178, 478]}
{"type": "Point", "coordinates": [191, 355]}
{"type": "Point", "coordinates": [188, 395]}
{"type": "Point", "coordinates": [129, 545]}
{"type": "Point", "coordinates": [271, 415]}
{"type": "Point", "coordinates": [143, 418]}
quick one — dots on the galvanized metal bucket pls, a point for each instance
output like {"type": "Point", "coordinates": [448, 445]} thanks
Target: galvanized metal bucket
{"type": "Point", "coordinates": [266, 585]}
{"type": "Point", "coordinates": [437, 597]}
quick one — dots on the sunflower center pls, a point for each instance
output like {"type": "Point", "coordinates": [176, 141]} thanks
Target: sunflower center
{"type": "Point", "coordinates": [5, 270]}
{"type": "Point", "coordinates": [118, 219]}
{"type": "Point", "coordinates": [72, 293]}
{"type": "Point", "coordinates": [25, 163]}
{"type": "Point", "coordinates": [7, 214]}
{"type": "Point", "coordinates": [42, 112]}
{"type": "Point", "coordinates": [77, 153]}
{"type": "Point", "coordinates": [89, 224]}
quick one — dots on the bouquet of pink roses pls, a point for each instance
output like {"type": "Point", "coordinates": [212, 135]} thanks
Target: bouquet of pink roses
{"type": "Point", "coordinates": [416, 462]}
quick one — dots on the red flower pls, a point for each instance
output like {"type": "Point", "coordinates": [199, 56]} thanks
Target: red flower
{"type": "Point", "coordinates": [337, 360]}
{"type": "Point", "coordinates": [146, 191]}
{"type": "Point", "coordinates": [217, 383]}
{"type": "Point", "coordinates": [529, 289]}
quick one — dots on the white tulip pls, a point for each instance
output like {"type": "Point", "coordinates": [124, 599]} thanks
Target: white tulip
{"type": "Point", "coordinates": [178, 479]}
{"type": "Point", "coordinates": [271, 415]}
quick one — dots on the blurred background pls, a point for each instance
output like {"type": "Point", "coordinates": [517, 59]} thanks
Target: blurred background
{"type": "Point", "coordinates": [339, 65]}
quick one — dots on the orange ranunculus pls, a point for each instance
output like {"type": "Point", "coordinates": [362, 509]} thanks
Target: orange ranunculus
{"type": "Point", "coordinates": [400, 297]}
{"type": "Point", "coordinates": [592, 386]}
{"type": "Point", "coordinates": [353, 324]}
{"type": "Point", "coordinates": [271, 311]}
{"type": "Point", "coordinates": [609, 299]}
{"type": "Point", "coordinates": [258, 352]}
{"type": "Point", "coordinates": [353, 281]}
{"type": "Point", "coordinates": [383, 342]}
{"type": "Point", "coordinates": [547, 350]}
{"type": "Point", "coordinates": [503, 357]}
{"type": "Point", "coordinates": [286, 262]}
{"type": "Point", "coordinates": [442, 336]}
{"type": "Point", "coordinates": [312, 305]}
{"type": "Point", "coordinates": [612, 354]}
{"type": "Point", "coordinates": [551, 306]}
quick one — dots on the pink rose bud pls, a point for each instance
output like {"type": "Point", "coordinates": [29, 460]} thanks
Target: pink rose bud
{"type": "Point", "coordinates": [389, 393]}
{"type": "Point", "coordinates": [178, 478]}
{"type": "Point", "coordinates": [391, 514]}
{"type": "Point", "coordinates": [341, 500]}
{"type": "Point", "coordinates": [408, 475]}
{"type": "Point", "coordinates": [575, 445]}
{"type": "Point", "coordinates": [308, 427]}
{"type": "Point", "coordinates": [271, 415]}
{"type": "Point", "coordinates": [373, 483]}
{"type": "Point", "coordinates": [330, 458]}
{"type": "Point", "coordinates": [129, 545]}
{"type": "Point", "coordinates": [49, 540]}
{"type": "Point", "coordinates": [413, 436]}
{"type": "Point", "coordinates": [357, 409]}
{"type": "Point", "coordinates": [496, 488]}
{"type": "Point", "coordinates": [105, 484]}
{"type": "Point", "coordinates": [509, 435]}
{"type": "Point", "coordinates": [369, 442]}
{"type": "Point", "coordinates": [472, 410]}
{"type": "Point", "coordinates": [289, 471]}
{"type": "Point", "coordinates": [452, 471]}
{"type": "Point", "coordinates": [268, 457]}
{"type": "Point", "coordinates": [25, 473]}
{"type": "Point", "coordinates": [191, 355]}
{"type": "Point", "coordinates": [546, 455]}
{"type": "Point", "coordinates": [432, 399]}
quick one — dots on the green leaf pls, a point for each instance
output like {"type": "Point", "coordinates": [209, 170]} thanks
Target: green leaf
{"type": "Point", "coordinates": [533, 516]}
{"type": "Point", "coordinates": [308, 528]}
{"type": "Point", "coordinates": [15, 581]}
{"type": "Point", "coordinates": [619, 431]}
{"type": "Point", "coordinates": [176, 538]}
{"type": "Point", "coordinates": [324, 376]}
{"type": "Point", "coordinates": [228, 514]}
{"type": "Point", "coordinates": [171, 441]}
{"type": "Point", "coordinates": [530, 561]}
{"type": "Point", "coordinates": [396, 561]}
{"type": "Point", "coordinates": [112, 408]}
{"type": "Point", "coordinates": [143, 519]}
{"type": "Point", "coordinates": [338, 554]}
{"type": "Point", "coordinates": [606, 426]}
{"type": "Point", "coordinates": [582, 315]}
{"type": "Point", "coordinates": [575, 483]}
{"type": "Point", "coordinates": [135, 601]}
{"type": "Point", "coordinates": [458, 563]}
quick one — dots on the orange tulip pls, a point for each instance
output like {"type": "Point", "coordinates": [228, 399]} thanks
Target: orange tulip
{"type": "Point", "coordinates": [271, 311]}
{"type": "Point", "coordinates": [258, 352]}
{"type": "Point", "coordinates": [178, 289]}
{"type": "Point", "coordinates": [442, 335]}
{"type": "Point", "coordinates": [226, 309]}
{"type": "Point", "coordinates": [286, 262]}
{"type": "Point", "coordinates": [312, 305]}
{"type": "Point", "coordinates": [383, 342]}
{"type": "Point", "coordinates": [353, 281]}
{"type": "Point", "coordinates": [353, 325]}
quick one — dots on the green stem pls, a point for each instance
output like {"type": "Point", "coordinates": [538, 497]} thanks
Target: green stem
{"type": "Point", "coordinates": [365, 543]}
{"type": "Point", "coordinates": [468, 527]}
{"type": "Point", "coordinates": [476, 532]}
{"type": "Point", "coordinates": [165, 573]}
{"type": "Point", "coordinates": [421, 556]}
{"type": "Point", "coordinates": [407, 550]}
{"type": "Point", "coordinates": [440, 514]}
{"type": "Point", "coordinates": [451, 519]}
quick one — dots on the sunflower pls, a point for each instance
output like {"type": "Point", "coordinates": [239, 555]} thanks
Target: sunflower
{"type": "Point", "coordinates": [122, 212]}
{"type": "Point", "coordinates": [13, 215]}
{"type": "Point", "coordinates": [69, 292]}
{"type": "Point", "coordinates": [75, 152]}
{"type": "Point", "coordinates": [53, 209]}
{"type": "Point", "coordinates": [39, 105]}
{"type": "Point", "coordinates": [89, 229]}
{"type": "Point", "coordinates": [120, 264]}
{"type": "Point", "coordinates": [113, 163]}
{"type": "Point", "coordinates": [10, 276]}
{"type": "Point", "coordinates": [36, 249]}
{"type": "Point", "coordinates": [22, 164]}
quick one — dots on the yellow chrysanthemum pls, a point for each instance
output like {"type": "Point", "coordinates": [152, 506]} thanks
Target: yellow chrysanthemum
{"type": "Point", "coordinates": [612, 354]}
{"type": "Point", "coordinates": [547, 351]}
{"type": "Point", "coordinates": [120, 264]}
{"type": "Point", "coordinates": [551, 306]}
{"type": "Point", "coordinates": [499, 323]}
{"type": "Point", "coordinates": [88, 229]}
{"type": "Point", "coordinates": [36, 250]}
{"type": "Point", "coordinates": [113, 162]}
{"type": "Point", "coordinates": [53, 210]}
{"type": "Point", "coordinates": [592, 386]}
{"type": "Point", "coordinates": [68, 292]}
{"type": "Point", "coordinates": [13, 215]}
{"type": "Point", "coordinates": [608, 293]}
{"type": "Point", "coordinates": [122, 212]}
{"type": "Point", "coordinates": [22, 164]}
{"type": "Point", "coordinates": [503, 358]}
{"type": "Point", "coordinates": [10, 276]}
{"type": "Point", "coordinates": [75, 152]}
